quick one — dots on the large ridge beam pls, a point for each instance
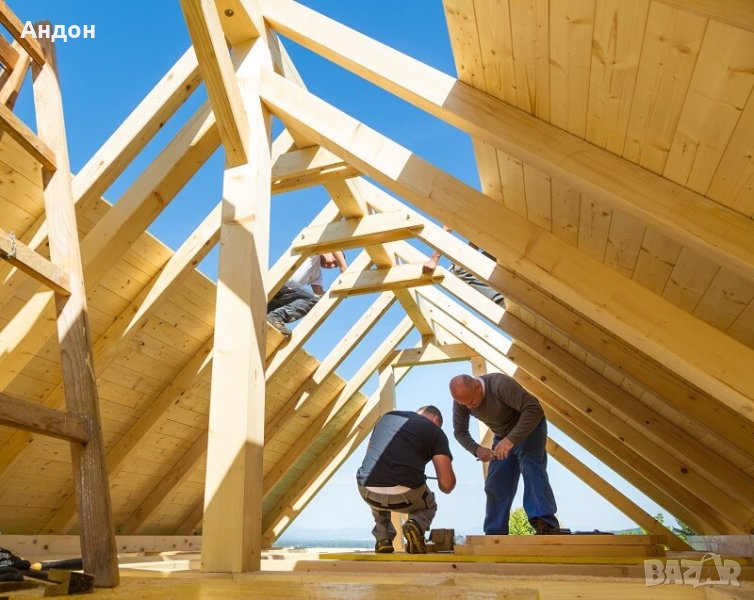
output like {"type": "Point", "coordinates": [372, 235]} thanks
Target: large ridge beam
{"type": "Point", "coordinates": [688, 217]}
{"type": "Point", "coordinates": [697, 351]}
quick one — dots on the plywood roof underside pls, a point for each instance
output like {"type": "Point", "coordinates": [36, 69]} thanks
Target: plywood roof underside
{"type": "Point", "coordinates": [633, 328]}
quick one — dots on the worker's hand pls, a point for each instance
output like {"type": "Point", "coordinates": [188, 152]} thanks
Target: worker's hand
{"type": "Point", "coordinates": [503, 449]}
{"type": "Point", "coordinates": [429, 267]}
{"type": "Point", "coordinates": [484, 454]}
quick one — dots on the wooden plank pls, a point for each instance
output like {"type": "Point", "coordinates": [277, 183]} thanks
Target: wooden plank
{"type": "Point", "coordinates": [8, 55]}
{"type": "Point", "coordinates": [31, 416]}
{"type": "Point", "coordinates": [52, 545]}
{"type": "Point", "coordinates": [530, 36]}
{"type": "Point", "coordinates": [571, 35]}
{"type": "Point", "coordinates": [594, 290]}
{"type": "Point", "coordinates": [720, 86]}
{"type": "Point", "coordinates": [677, 211]}
{"type": "Point", "coordinates": [356, 232]}
{"type": "Point", "coordinates": [658, 531]}
{"type": "Point", "coordinates": [82, 399]}
{"type": "Point", "coordinates": [370, 281]}
{"type": "Point", "coordinates": [27, 260]}
{"type": "Point", "coordinates": [27, 139]}
{"type": "Point", "coordinates": [430, 353]}
{"type": "Point", "coordinates": [11, 82]}
{"type": "Point", "coordinates": [512, 549]}
{"type": "Point", "coordinates": [14, 25]}
{"type": "Point", "coordinates": [566, 540]}
{"type": "Point", "coordinates": [297, 163]}
{"type": "Point", "coordinates": [616, 50]}
{"type": "Point", "coordinates": [233, 484]}
{"type": "Point", "coordinates": [669, 53]}
{"type": "Point", "coordinates": [219, 77]}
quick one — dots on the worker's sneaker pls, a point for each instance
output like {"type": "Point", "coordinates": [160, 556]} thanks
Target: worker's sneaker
{"type": "Point", "coordinates": [278, 324]}
{"type": "Point", "coordinates": [415, 543]}
{"type": "Point", "coordinates": [384, 547]}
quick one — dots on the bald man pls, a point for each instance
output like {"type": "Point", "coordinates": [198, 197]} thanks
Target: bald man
{"type": "Point", "coordinates": [518, 448]}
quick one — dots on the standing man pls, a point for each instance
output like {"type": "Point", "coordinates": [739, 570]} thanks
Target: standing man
{"type": "Point", "coordinates": [518, 448]}
{"type": "Point", "coordinates": [392, 478]}
{"type": "Point", "coordinates": [293, 300]}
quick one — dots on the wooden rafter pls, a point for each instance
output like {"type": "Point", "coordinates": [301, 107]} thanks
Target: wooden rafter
{"type": "Point", "coordinates": [26, 138]}
{"type": "Point", "coordinates": [695, 350]}
{"type": "Point", "coordinates": [114, 233]}
{"type": "Point", "coordinates": [327, 366]}
{"type": "Point", "coordinates": [11, 81]}
{"type": "Point", "coordinates": [329, 461]}
{"type": "Point", "coordinates": [614, 496]}
{"type": "Point", "coordinates": [682, 214]}
{"type": "Point", "coordinates": [14, 25]}
{"type": "Point", "coordinates": [665, 468]}
{"type": "Point", "coordinates": [219, 77]}
{"type": "Point", "coordinates": [336, 404]}
{"type": "Point", "coordinates": [703, 408]}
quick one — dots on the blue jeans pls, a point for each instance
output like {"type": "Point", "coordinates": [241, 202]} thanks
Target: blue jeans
{"type": "Point", "coordinates": [478, 285]}
{"type": "Point", "coordinates": [529, 459]}
{"type": "Point", "coordinates": [292, 302]}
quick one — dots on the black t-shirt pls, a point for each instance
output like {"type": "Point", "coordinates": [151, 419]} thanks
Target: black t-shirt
{"type": "Point", "coordinates": [401, 445]}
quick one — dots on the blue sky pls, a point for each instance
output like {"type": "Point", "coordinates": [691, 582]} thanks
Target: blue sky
{"type": "Point", "coordinates": [136, 42]}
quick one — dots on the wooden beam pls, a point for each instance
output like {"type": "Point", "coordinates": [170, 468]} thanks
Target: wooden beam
{"type": "Point", "coordinates": [8, 55]}
{"type": "Point", "coordinates": [82, 400]}
{"type": "Point", "coordinates": [11, 81]}
{"type": "Point", "coordinates": [695, 404]}
{"type": "Point", "coordinates": [233, 481]}
{"type": "Point", "coordinates": [614, 496]}
{"type": "Point", "coordinates": [135, 132]}
{"type": "Point", "coordinates": [327, 367]}
{"type": "Point", "coordinates": [27, 260]}
{"type": "Point", "coordinates": [178, 474]}
{"type": "Point", "coordinates": [241, 20]}
{"type": "Point", "coordinates": [738, 13]}
{"type": "Point", "coordinates": [219, 77]}
{"type": "Point", "coordinates": [307, 161]}
{"type": "Point", "coordinates": [69, 545]}
{"type": "Point", "coordinates": [369, 281]}
{"type": "Point", "coordinates": [346, 193]}
{"type": "Point", "coordinates": [694, 349]}
{"type": "Point", "coordinates": [26, 138]}
{"type": "Point", "coordinates": [357, 232]}
{"type": "Point", "coordinates": [315, 178]}
{"type": "Point", "coordinates": [693, 220]}
{"type": "Point", "coordinates": [336, 404]}
{"type": "Point", "coordinates": [694, 496]}
{"type": "Point", "coordinates": [14, 25]}
{"type": "Point", "coordinates": [431, 354]}
{"type": "Point", "coordinates": [32, 416]}
{"type": "Point", "coordinates": [340, 447]}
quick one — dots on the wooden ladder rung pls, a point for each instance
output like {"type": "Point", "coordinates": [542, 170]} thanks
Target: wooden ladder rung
{"type": "Point", "coordinates": [27, 260]}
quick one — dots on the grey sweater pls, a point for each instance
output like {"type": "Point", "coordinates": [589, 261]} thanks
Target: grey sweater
{"type": "Point", "coordinates": [507, 409]}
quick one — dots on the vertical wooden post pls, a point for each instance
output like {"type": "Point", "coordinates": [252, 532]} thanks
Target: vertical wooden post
{"type": "Point", "coordinates": [232, 532]}
{"type": "Point", "coordinates": [479, 367]}
{"type": "Point", "coordinates": [388, 403]}
{"type": "Point", "coordinates": [89, 464]}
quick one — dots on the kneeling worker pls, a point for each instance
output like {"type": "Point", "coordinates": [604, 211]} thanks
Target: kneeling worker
{"type": "Point", "coordinates": [392, 478]}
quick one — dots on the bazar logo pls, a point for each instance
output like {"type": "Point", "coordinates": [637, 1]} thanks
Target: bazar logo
{"type": "Point", "coordinates": [680, 571]}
